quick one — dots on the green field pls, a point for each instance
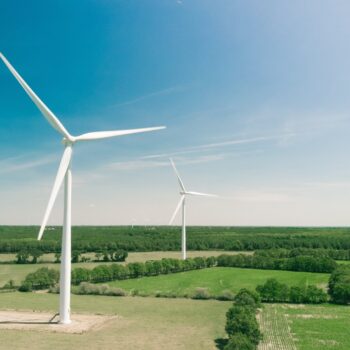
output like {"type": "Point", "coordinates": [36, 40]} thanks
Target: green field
{"type": "Point", "coordinates": [216, 280]}
{"type": "Point", "coordinates": [343, 262]}
{"type": "Point", "coordinates": [176, 323]}
{"type": "Point", "coordinates": [144, 323]}
{"type": "Point", "coordinates": [18, 272]}
{"type": "Point", "coordinates": [305, 327]}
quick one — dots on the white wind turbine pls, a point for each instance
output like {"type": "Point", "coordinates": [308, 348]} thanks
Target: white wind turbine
{"type": "Point", "coordinates": [64, 173]}
{"type": "Point", "coordinates": [182, 202]}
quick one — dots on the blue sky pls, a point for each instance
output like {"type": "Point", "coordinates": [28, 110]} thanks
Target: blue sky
{"type": "Point", "coordinates": [254, 94]}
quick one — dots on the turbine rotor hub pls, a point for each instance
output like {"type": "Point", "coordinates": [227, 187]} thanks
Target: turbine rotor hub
{"type": "Point", "coordinates": [67, 142]}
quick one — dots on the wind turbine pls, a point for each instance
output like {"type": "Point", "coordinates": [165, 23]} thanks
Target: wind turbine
{"type": "Point", "coordinates": [182, 202]}
{"type": "Point", "coordinates": [65, 174]}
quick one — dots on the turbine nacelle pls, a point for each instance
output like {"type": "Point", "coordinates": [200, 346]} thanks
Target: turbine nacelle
{"type": "Point", "coordinates": [183, 193]}
{"type": "Point", "coordinates": [68, 140]}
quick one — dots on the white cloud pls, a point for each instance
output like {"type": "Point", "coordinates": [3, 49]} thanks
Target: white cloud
{"type": "Point", "coordinates": [262, 196]}
{"type": "Point", "coordinates": [209, 146]}
{"type": "Point", "coordinates": [16, 164]}
{"type": "Point", "coordinates": [142, 163]}
{"type": "Point", "coordinates": [166, 91]}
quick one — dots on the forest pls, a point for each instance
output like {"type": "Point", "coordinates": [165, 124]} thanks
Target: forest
{"type": "Point", "coordinates": [335, 242]}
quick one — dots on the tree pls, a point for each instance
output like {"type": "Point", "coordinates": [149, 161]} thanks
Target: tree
{"type": "Point", "coordinates": [98, 256]}
{"type": "Point", "coordinates": [75, 256]}
{"type": "Point", "coordinates": [239, 341]}
{"type": "Point", "coordinates": [9, 285]}
{"type": "Point", "coordinates": [297, 295]}
{"type": "Point", "coordinates": [119, 255]}
{"type": "Point", "coordinates": [80, 275]}
{"type": "Point", "coordinates": [101, 273]}
{"type": "Point", "coordinates": [137, 269]}
{"type": "Point", "coordinates": [273, 291]}
{"type": "Point", "coordinates": [35, 253]}
{"type": "Point", "coordinates": [339, 285]}
{"type": "Point", "coordinates": [57, 257]}
{"type": "Point", "coordinates": [41, 279]}
{"type": "Point", "coordinates": [106, 256]}
{"type": "Point", "coordinates": [211, 261]}
{"type": "Point", "coordinates": [247, 298]}
{"type": "Point", "coordinates": [240, 319]}
{"type": "Point", "coordinates": [22, 257]}
{"type": "Point", "coordinates": [315, 295]}
{"type": "Point", "coordinates": [119, 272]}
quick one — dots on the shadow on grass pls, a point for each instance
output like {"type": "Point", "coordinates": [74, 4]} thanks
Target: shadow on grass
{"type": "Point", "coordinates": [221, 343]}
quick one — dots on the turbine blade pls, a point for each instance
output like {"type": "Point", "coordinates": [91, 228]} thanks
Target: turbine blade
{"type": "Point", "coordinates": [191, 193]}
{"type": "Point", "coordinates": [51, 118]}
{"type": "Point", "coordinates": [62, 170]}
{"type": "Point", "coordinates": [105, 134]}
{"type": "Point", "coordinates": [182, 186]}
{"type": "Point", "coordinates": [177, 209]}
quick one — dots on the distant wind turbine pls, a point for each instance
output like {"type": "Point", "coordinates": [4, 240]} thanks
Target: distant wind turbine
{"type": "Point", "coordinates": [64, 173]}
{"type": "Point", "coordinates": [182, 202]}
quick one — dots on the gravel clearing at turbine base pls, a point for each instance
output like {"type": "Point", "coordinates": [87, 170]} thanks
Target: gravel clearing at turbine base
{"type": "Point", "coordinates": [47, 322]}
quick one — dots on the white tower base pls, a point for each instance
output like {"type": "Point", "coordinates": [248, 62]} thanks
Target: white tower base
{"type": "Point", "coordinates": [65, 276]}
{"type": "Point", "coordinates": [183, 240]}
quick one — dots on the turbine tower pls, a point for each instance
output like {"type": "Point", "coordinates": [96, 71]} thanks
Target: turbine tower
{"type": "Point", "coordinates": [65, 174]}
{"type": "Point", "coordinates": [182, 202]}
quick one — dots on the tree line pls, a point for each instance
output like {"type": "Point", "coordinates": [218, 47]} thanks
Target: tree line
{"type": "Point", "coordinates": [241, 325]}
{"type": "Point", "coordinates": [339, 285]}
{"type": "Point", "coordinates": [336, 254]}
{"type": "Point", "coordinates": [273, 291]}
{"type": "Point", "coordinates": [158, 238]}
{"type": "Point", "coordinates": [297, 263]}
{"type": "Point", "coordinates": [112, 272]}
{"type": "Point", "coordinates": [42, 279]}
{"type": "Point", "coordinates": [31, 256]}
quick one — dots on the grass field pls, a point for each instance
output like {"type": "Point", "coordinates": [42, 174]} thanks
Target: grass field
{"type": "Point", "coordinates": [178, 323]}
{"type": "Point", "coordinates": [343, 262]}
{"type": "Point", "coordinates": [216, 280]}
{"type": "Point", "coordinates": [18, 272]}
{"type": "Point", "coordinates": [306, 327]}
{"type": "Point", "coordinates": [144, 323]}
{"type": "Point", "coordinates": [134, 257]}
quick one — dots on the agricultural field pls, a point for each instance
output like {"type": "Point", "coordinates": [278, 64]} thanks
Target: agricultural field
{"type": "Point", "coordinates": [153, 323]}
{"type": "Point", "coordinates": [216, 280]}
{"type": "Point", "coordinates": [142, 323]}
{"type": "Point", "coordinates": [305, 327]}
{"type": "Point", "coordinates": [133, 256]}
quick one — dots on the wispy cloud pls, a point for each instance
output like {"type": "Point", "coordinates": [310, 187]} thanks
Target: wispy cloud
{"type": "Point", "coordinates": [142, 163]}
{"type": "Point", "coordinates": [166, 91]}
{"type": "Point", "coordinates": [242, 141]}
{"type": "Point", "coordinates": [15, 164]}
{"type": "Point", "coordinates": [263, 196]}
{"type": "Point", "coordinates": [209, 146]}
